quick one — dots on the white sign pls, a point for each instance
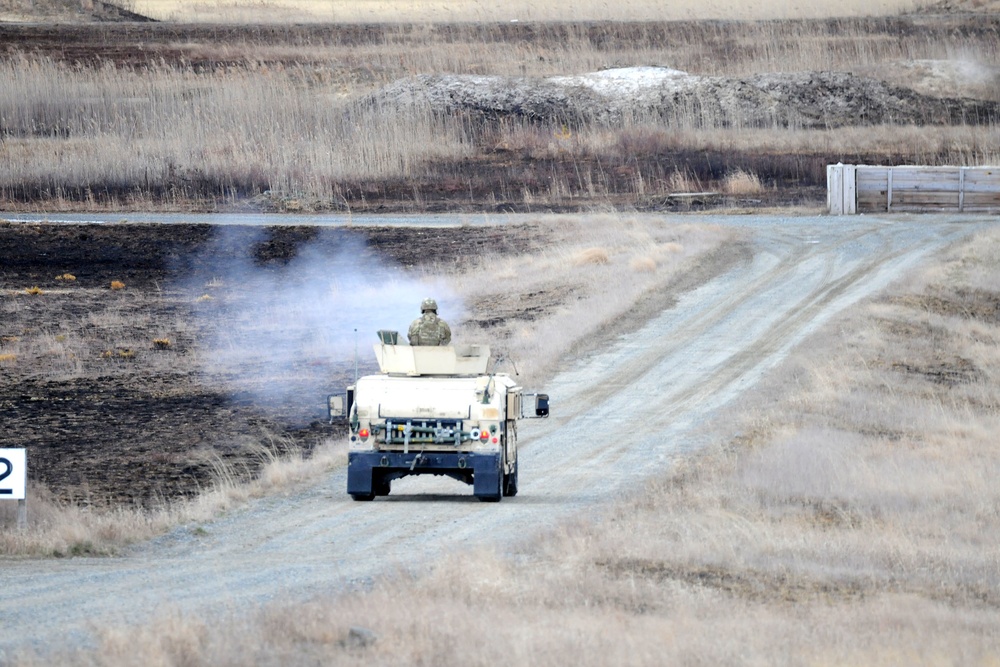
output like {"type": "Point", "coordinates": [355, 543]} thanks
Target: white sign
{"type": "Point", "coordinates": [13, 473]}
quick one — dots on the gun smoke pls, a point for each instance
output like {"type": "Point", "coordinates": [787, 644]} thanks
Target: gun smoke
{"type": "Point", "coordinates": [283, 330]}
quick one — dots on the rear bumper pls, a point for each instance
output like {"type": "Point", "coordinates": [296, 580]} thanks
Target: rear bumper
{"type": "Point", "coordinates": [480, 470]}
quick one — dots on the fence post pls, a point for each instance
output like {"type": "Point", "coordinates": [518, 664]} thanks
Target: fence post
{"type": "Point", "coordinates": [888, 198]}
{"type": "Point", "coordinates": [961, 189]}
{"type": "Point", "coordinates": [835, 189]}
{"type": "Point", "coordinates": [14, 480]}
{"type": "Point", "coordinates": [850, 189]}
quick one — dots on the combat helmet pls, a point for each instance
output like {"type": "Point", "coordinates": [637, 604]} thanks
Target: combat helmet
{"type": "Point", "coordinates": [428, 304]}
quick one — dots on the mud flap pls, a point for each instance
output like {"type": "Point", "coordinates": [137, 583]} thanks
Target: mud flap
{"type": "Point", "coordinates": [359, 475]}
{"type": "Point", "coordinates": [486, 479]}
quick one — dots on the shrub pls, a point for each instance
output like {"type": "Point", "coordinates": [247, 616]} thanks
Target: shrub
{"type": "Point", "coordinates": [591, 256]}
{"type": "Point", "coordinates": [643, 264]}
{"type": "Point", "coordinates": [742, 182]}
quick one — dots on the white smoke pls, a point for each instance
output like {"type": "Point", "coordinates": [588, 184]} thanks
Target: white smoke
{"type": "Point", "coordinates": [280, 331]}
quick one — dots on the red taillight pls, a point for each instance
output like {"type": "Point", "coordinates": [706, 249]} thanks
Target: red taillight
{"type": "Point", "coordinates": [363, 433]}
{"type": "Point", "coordinates": [484, 436]}
{"type": "Point", "coordinates": [495, 441]}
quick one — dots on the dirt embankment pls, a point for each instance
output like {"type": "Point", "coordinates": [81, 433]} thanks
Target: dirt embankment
{"type": "Point", "coordinates": [810, 100]}
{"type": "Point", "coordinates": [109, 415]}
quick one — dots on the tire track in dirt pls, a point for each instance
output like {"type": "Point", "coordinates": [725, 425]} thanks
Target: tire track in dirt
{"type": "Point", "coordinates": [698, 320]}
{"type": "Point", "coordinates": [689, 393]}
{"type": "Point", "coordinates": [619, 416]}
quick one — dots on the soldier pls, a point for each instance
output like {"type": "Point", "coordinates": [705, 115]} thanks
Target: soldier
{"type": "Point", "coordinates": [429, 329]}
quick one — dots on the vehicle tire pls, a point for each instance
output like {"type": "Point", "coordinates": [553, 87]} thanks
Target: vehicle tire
{"type": "Point", "coordinates": [510, 482]}
{"type": "Point", "coordinates": [363, 496]}
{"type": "Point", "coordinates": [380, 486]}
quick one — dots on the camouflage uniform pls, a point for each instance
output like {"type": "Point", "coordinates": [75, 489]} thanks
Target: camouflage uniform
{"type": "Point", "coordinates": [429, 329]}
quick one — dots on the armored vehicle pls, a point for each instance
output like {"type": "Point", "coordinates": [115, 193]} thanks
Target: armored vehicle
{"type": "Point", "coordinates": [438, 411]}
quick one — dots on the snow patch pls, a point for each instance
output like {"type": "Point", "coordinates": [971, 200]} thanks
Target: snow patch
{"type": "Point", "coordinates": [630, 80]}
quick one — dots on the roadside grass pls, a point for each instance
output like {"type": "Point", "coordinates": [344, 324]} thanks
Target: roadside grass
{"type": "Point", "coordinates": [58, 528]}
{"type": "Point", "coordinates": [290, 124]}
{"type": "Point", "coordinates": [846, 515]}
{"type": "Point", "coordinates": [591, 274]}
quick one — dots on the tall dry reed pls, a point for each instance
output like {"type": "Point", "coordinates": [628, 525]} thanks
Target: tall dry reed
{"type": "Point", "coordinates": [370, 11]}
{"type": "Point", "coordinates": [286, 117]}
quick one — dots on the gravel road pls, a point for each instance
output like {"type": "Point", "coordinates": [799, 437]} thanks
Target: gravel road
{"type": "Point", "coordinates": [618, 417]}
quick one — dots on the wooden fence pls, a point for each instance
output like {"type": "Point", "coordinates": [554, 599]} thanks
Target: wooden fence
{"type": "Point", "coordinates": [870, 189]}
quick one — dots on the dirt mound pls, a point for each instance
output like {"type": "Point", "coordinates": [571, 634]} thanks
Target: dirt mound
{"type": "Point", "coordinates": [960, 6]}
{"type": "Point", "coordinates": [67, 11]}
{"type": "Point", "coordinates": [803, 99]}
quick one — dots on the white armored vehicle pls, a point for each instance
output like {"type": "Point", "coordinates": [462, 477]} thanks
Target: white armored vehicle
{"type": "Point", "coordinates": [437, 411]}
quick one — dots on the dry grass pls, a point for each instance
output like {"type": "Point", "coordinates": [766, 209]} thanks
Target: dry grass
{"type": "Point", "coordinates": [742, 182]}
{"type": "Point", "coordinates": [83, 340]}
{"type": "Point", "coordinates": [57, 528]}
{"type": "Point", "coordinates": [853, 520]}
{"type": "Point", "coordinates": [285, 119]}
{"type": "Point", "coordinates": [407, 11]}
{"type": "Point", "coordinates": [591, 256]}
{"type": "Point", "coordinates": [581, 284]}
{"type": "Point", "coordinates": [116, 128]}
{"type": "Point", "coordinates": [683, 181]}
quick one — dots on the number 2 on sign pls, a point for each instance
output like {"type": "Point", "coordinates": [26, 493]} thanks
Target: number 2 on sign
{"type": "Point", "coordinates": [6, 467]}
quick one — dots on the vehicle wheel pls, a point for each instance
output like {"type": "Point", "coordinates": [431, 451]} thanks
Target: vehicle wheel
{"type": "Point", "coordinates": [363, 496]}
{"type": "Point", "coordinates": [381, 487]}
{"type": "Point", "coordinates": [510, 482]}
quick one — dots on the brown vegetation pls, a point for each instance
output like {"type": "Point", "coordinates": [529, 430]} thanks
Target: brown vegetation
{"type": "Point", "coordinates": [276, 118]}
{"type": "Point", "coordinates": [484, 11]}
{"type": "Point", "coordinates": [421, 11]}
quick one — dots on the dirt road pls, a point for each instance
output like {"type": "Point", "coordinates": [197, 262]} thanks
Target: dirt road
{"type": "Point", "coordinates": [619, 417]}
